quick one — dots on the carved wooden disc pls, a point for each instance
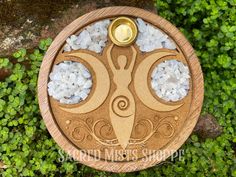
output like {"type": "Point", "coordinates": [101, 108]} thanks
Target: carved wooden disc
{"type": "Point", "coordinates": [122, 125]}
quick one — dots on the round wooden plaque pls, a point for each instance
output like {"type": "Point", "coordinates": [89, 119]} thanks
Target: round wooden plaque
{"type": "Point", "coordinates": [122, 126]}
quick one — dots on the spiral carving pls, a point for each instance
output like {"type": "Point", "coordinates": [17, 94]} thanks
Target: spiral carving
{"type": "Point", "coordinates": [103, 129]}
{"type": "Point", "coordinates": [166, 129]}
{"type": "Point", "coordinates": [121, 106]}
{"type": "Point", "coordinates": [143, 128]}
{"type": "Point", "coordinates": [78, 134]}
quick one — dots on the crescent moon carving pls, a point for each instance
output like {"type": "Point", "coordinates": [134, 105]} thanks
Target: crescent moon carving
{"type": "Point", "coordinates": [141, 85]}
{"type": "Point", "coordinates": [102, 85]}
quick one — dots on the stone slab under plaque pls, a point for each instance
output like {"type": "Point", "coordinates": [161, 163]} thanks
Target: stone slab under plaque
{"type": "Point", "coordinates": [120, 89]}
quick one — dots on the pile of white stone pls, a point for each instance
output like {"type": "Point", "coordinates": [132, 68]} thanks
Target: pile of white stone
{"type": "Point", "coordinates": [93, 38]}
{"type": "Point", "coordinates": [151, 38]}
{"type": "Point", "coordinates": [170, 80]}
{"type": "Point", "coordinates": [70, 82]}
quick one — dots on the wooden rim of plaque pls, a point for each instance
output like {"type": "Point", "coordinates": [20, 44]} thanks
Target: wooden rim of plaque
{"type": "Point", "coordinates": [183, 45]}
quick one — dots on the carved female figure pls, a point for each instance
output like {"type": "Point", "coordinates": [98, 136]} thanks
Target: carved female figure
{"type": "Point", "coordinates": [122, 104]}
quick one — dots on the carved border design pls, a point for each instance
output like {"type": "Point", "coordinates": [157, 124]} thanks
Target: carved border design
{"type": "Point", "coordinates": [90, 127]}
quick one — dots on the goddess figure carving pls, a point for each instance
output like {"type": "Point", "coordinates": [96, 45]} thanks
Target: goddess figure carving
{"type": "Point", "coordinates": [122, 104]}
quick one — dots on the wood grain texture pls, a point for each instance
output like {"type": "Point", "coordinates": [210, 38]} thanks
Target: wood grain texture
{"type": "Point", "coordinates": [185, 48]}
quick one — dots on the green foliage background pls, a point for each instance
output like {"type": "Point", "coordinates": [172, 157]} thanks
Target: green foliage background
{"type": "Point", "coordinates": [210, 25]}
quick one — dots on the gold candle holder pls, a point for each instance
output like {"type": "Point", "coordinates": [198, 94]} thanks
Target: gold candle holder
{"type": "Point", "coordinates": [123, 31]}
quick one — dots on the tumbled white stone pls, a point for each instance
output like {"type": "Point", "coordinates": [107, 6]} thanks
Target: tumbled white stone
{"type": "Point", "coordinates": [151, 38]}
{"type": "Point", "coordinates": [67, 48]}
{"type": "Point", "coordinates": [83, 95]}
{"type": "Point", "coordinates": [93, 37]}
{"type": "Point", "coordinates": [87, 84]}
{"type": "Point", "coordinates": [141, 25]}
{"type": "Point", "coordinates": [83, 40]}
{"type": "Point", "coordinates": [170, 80]}
{"type": "Point", "coordinates": [86, 73]}
{"type": "Point", "coordinates": [169, 44]}
{"type": "Point", "coordinates": [70, 82]}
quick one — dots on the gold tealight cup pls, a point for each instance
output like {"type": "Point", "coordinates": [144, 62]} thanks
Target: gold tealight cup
{"type": "Point", "coordinates": [123, 31]}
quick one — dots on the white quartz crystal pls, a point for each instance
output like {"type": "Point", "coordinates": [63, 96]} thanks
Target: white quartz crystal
{"type": "Point", "coordinates": [170, 80]}
{"type": "Point", "coordinates": [151, 38]}
{"type": "Point", "coordinates": [70, 82]}
{"type": "Point", "coordinates": [93, 37]}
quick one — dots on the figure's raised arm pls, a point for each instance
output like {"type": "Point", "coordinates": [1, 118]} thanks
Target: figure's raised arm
{"type": "Point", "coordinates": [131, 66]}
{"type": "Point", "coordinates": [109, 58]}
